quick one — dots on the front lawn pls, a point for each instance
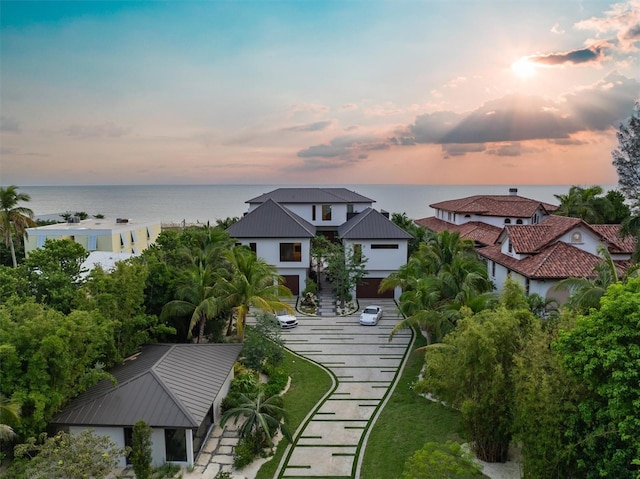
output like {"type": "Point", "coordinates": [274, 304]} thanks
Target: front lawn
{"type": "Point", "coordinates": [407, 422]}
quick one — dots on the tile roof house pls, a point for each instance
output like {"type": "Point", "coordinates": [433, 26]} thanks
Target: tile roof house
{"type": "Point", "coordinates": [520, 238]}
{"type": "Point", "coordinates": [279, 225]}
{"type": "Point", "coordinates": [164, 386]}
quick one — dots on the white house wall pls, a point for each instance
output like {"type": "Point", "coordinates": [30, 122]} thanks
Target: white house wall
{"type": "Point", "coordinates": [305, 211]}
{"type": "Point", "coordinates": [388, 260]}
{"type": "Point", "coordinates": [499, 221]}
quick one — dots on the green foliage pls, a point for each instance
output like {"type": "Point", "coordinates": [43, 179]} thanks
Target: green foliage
{"type": "Point", "coordinates": [311, 287]}
{"type": "Point", "coordinates": [545, 400]}
{"type": "Point", "coordinates": [224, 474]}
{"type": "Point", "coordinates": [345, 270]}
{"type": "Point", "coordinates": [471, 371]}
{"type": "Point", "coordinates": [626, 159]}
{"type": "Point", "coordinates": [602, 353]}
{"type": "Point", "coordinates": [439, 461]}
{"type": "Point", "coordinates": [141, 450]}
{"type": "Point", "coordinates": [278, 379]}
{"type": "Point", "coordinates": [441, 281]}
{"type": "Point", "coordinates": [67, 456]}
{"type": "Point", "coordinates": [9, 415]}
{"type": "Point", "coordinates": [248, 448]}
{"type": "Point", "coordinates": [14, 219]}
{"type": "Point", "coordinates": [263, 343]}
{"type": "Point", "coordinates": [588, 204]}
{"type": "Point", "coordinates": [54, 273]}
{"type": "Point", "coordinates": [418, 233]}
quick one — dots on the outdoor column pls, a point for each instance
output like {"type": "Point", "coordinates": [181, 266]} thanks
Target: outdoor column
{"type": "Point", "coordinates": [189, 437]}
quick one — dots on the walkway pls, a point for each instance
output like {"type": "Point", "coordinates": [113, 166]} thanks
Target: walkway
{"type": "Point", "coordinates": [330, 443]}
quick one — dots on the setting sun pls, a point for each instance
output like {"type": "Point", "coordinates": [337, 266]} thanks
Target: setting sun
{"type": "Point", "coordinates": [523, 68]}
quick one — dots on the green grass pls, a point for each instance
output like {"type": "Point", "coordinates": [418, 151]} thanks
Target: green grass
{"type": "Point", "coordinates": [309, 383]}
{"type": "Point", "coordinates": [407, 422]}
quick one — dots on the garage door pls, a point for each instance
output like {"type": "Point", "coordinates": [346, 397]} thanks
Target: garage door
{"type": "Point", "coordinates": [369, 289]}
{"type": "Point", "coordinates": [293, 283]}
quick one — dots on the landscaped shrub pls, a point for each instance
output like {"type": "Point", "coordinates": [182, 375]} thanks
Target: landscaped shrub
{"type": "Point", "coordinates": [247, 383]}
{"type": "Point", "coordinates": [312, 287]}
{"type": "Point", "coordinates": [141, 450]}
{"type": "Point", "coordinates": [262, 343]}
{"type": "Point", "coordinates": [247, 449]}
{"type": "Point", "coordinates": [440, 461]}
{"type": "Point", "coordinates": [278, 379]}
{"type": "Point", "coordinates": [223, 475]}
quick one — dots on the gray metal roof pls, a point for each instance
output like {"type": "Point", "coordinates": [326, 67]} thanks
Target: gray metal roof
{"type": "Point", "coordinates": [272, 220]}
{"type": "Point", "coordinates": [165, 385]}
{"type": "Point", "coordinates": [312, 196]}
{"type": "Point", "coordinates": [371, 224]}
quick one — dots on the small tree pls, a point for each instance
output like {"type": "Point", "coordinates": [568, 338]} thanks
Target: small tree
{"type": "Point", "coordinates": [345, 269]}
{"type": "Point", "coordinates": [626, 159]}
{"type": "Point", "coordinates": [440, 461]}
{"type": "Point", "coordinates": [70, 456]}
{"type": "Point", "coordinates": [263, 343]}
{"type": "Point", "coordinates": [141, 450]}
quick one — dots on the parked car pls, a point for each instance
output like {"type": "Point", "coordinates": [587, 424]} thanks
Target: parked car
{"type": "Point", "coordinates": [370, 315]}
{"type": "Point", "coordinates": [286, 320]}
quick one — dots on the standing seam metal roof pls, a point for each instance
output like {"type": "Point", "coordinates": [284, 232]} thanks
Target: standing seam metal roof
{"type": "Point", "coordinates": [272, 220]}
{"type": "Point", "coordinates": [164, 385]}
{"type": "Point", "coordinates": [312, 195]}
{"type": "Point", "coordinates": [371, 224]}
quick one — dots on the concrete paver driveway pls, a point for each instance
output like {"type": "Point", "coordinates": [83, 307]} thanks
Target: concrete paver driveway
{"type": "Point", "coordinates": [365, 365]}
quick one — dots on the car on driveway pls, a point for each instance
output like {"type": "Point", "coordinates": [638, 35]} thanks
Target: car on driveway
{"type": "Point", "coordinates": [286, 320]}
{"type": "Point", "coordinates": [370, 315]}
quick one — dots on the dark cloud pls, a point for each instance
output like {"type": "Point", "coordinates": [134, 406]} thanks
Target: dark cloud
{"type": "Point", "coordinates": [509, 149]}
{"type": "Point", "coordinates": [402, 141]}
{"type": "Point", "coordinates": [104, 130]}
{"type": "Point", "coordinates": [344, 147]}
{"type": "Point", "coordinates": [9, 124]}
{"type": "Point", "coordinates": [316, 126]}
{"type": "Point", "coordinates": [455, 149]}
{"type": "Point", "coordinates": [592, 54]}
{"type": "Point", "coordinates": [431, 127]}
{"type": "Point", "coordinates": [567, 142]}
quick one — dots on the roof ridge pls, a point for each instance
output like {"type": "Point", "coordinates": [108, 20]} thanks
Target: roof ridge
{"type": "Point", "coordinates": [357, 219]}
{"type": "Point", "coordinates": [298, 219]}
{"type": "Point", "coordinates": [167, 389]}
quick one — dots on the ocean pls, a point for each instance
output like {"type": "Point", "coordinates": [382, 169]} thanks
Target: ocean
{"type": "Point", "coordinates": [207, 203]}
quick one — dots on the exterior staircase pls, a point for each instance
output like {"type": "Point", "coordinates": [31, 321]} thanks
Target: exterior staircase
{"type": "Point", "coordinates": [326, 297]}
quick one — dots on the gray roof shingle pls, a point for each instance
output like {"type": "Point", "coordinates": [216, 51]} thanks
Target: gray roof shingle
{"type": "Point", "coordinates": [166, 385]}
{"type": "Point", "coordinates": [272, 220]}
{"type": "Point", "coordinates": [311, 196]}
{"type": "Point", "coordinates": [371, 224]}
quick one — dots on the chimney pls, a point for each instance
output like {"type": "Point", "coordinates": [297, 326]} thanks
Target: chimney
{"type": "Point", "coordinates": [385, 213]}
{"type": "Point", "coordinates": [513, 191]}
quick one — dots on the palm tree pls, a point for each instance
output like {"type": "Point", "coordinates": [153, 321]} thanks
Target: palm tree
{"type": "Point", "coordinates": [261, 416]}
{"type": "Point", "coordinates": [13, 218]}
{"type": "Point", "coordinates": [440, 281]}
{"type": "Point", "coordinates": [585, 203]}
{"type": "Point", "coordinates": [9, 413]}
{"type": "Point", "coordinates": [251, 282]}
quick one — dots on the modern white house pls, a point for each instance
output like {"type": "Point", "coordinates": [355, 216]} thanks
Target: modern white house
{"type": "Point", "coordinates": [520, 238]}
{"type": "Point", "coordinates": [177, 389]}
{"type": "Point", "coordinates": [117, 236]}
{"type": "Point", "coordinates": [279, 226]}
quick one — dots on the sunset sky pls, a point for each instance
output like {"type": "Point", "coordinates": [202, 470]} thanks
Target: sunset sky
{"type": "Point", "coordinates": [327, 92]}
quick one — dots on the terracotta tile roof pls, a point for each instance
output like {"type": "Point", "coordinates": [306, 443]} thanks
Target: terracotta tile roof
{"type": "Point", "coordinates": [556, 261]}
{"type": "Point", "coordinates": [495, 205]}
{"type": "Point", "coordinates": [612, 234]}
{"type": "Point", "coordinates": [477, 231]}
{"type": "Point", "coordinates": [531, 238]}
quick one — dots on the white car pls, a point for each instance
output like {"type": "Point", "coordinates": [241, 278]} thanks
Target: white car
{"type": "Point", "coordinates": [370, 315]}
{"type": "Point", "coordinates": [286, 320]}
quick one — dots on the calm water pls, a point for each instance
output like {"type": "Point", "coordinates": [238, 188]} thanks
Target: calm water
{"type": "Point", "coordinates": [197, 203]}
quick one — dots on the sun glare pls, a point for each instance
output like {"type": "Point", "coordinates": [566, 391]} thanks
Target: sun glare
{"type": "Point", "coordinates": [523, 68]}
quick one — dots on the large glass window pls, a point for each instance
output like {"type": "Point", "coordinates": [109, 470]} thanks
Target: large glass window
{"type": "Point", "coordinates": [175, 443]}
{"type": "Point", "coordinates": [326, 212]}
{"type": "Point", "coordinates": [290, 252]}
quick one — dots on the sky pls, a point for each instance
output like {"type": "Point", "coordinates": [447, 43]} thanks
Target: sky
{"type": "Point", "coordinates": [315, 92]}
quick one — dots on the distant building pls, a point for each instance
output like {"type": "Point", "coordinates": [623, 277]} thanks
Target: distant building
{"type": "Point", "coordinates": [117, 236]}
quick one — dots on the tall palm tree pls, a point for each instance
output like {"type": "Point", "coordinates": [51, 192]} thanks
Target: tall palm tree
{"type": "Point", "coordinates": [13, 218]}
{"type": "Point", "coordinates": [439, 281]}
{"type": "Point", "coordinates": [261, 415]}
{"type": "Point", "coordinates": [251, 282]}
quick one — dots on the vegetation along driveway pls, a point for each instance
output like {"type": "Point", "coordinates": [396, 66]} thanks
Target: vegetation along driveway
{"type": "Point", "coordinates": [365, 365]}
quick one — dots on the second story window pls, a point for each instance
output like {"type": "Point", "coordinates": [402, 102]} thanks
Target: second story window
{"type": "Point", "coordinates": [313, 212]}
{"type": "Point", "coordinates": [290, 252]}
{"type": "Point", "coordinates": [326, 212]}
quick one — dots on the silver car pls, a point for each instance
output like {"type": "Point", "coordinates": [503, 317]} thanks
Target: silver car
{"type": "Point", "coordinates": [370, 315]}
{"type": "Point", "coordinates": [286, 320]}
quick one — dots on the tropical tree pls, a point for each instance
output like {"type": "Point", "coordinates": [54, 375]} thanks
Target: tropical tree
{"type": "Point", "coordinates": [260, 416]}
{"type": "Point", "coordinates": [320, 248]}
{"type": "Point", "coordinates": [141, 450]}
{"type": "Point", "coordinates": [587, 204]}
{"type": "Point", "coordinates": [626, 159]}
{"type": "Point", "coordinates": [345, 270]}
{"type": "Point", "coordinates": [440, 281]}
{"type": "Point", "coordinates": [601, 352]}
{"type": "Point", "coordinates": [250, 282]}
{"type": "Point", "coordinates": [418, 233]}
{"type": "Point", "coordinates": [14, 219]}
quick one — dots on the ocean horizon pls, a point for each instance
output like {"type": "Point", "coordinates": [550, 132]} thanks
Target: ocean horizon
{"type": "Point", "coordinates": [207, 203]}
